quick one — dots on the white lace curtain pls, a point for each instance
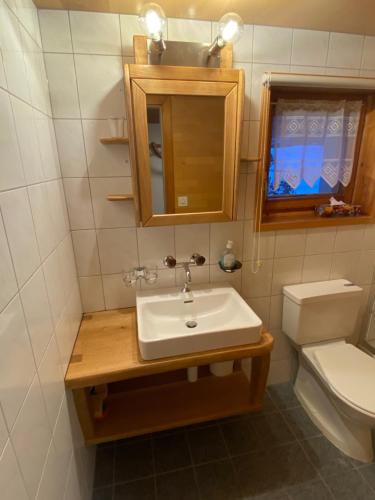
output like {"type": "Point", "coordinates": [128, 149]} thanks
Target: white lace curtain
{"type": "Point", "coordinates": [314, 139]}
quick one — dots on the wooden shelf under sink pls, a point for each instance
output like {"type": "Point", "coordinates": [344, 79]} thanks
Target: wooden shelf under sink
{"type": "Point", "coordinates": [165, 406]}
{"type": "Point", "coordinates": [149, 396]}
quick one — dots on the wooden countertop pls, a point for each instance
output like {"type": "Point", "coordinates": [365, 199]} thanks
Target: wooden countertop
{"type": "Point", "coordinates": [106, 350]}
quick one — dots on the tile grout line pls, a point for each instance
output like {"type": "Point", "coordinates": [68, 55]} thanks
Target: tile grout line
{"type": "Point", "coordinates": [193, 464]}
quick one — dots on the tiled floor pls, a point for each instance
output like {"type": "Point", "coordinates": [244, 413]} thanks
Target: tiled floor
{"type": "Point", "coordinates": [276, 455]}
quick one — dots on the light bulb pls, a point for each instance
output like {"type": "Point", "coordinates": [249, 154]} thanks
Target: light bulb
{"type": "Point", "coordinates": [230, 27]}
{"type": "Point", "coordinates": [152, 20]}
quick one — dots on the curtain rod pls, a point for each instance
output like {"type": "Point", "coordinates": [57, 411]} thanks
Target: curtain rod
{"type": "Point", "coordinates": [315, 81]}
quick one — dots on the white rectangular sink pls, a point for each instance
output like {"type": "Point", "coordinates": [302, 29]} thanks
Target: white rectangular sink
{"type": "Point", "coordinates": [172, 323]}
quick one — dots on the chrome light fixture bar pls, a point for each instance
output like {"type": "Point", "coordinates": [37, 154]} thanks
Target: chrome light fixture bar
{"type": "Point", "coordinates": [152, 19]}
{"type": "Point", "coordinates": [230, 30]}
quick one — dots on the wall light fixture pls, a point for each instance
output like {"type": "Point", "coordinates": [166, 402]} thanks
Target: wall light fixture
{"type": "Point", "coordinates": [230, 30]}
{"type": "Point", "coordinates": [152, 19]}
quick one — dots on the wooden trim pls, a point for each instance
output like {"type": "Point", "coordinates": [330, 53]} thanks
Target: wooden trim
{"type": "Point", "coordinates": [230, 152]}
{"type": "Point", "coordinates": [168, 157]}
{"type": "Point", "coordinates": [364, 191]}
{"type": "Point", "coordinates": [260, 367]}
{"type": "Point", "coordinates": [233, 94]}
{"type": "Point", "coordinates": [239, 122]}
{"type": "Point", "coordinates": [142, 141]}
{"type": "Point", "coordinates": [120, 197]}
{"type": "Point", "coordinates": [140, 49]}
{"type": "Point", "coordinates": [132, 148]}
{"type": "Point", "coordinates": [114, 140]}
{"type": "Point", "coordinates": [299, 220]}
{"type": "Point", "coordinates": [226, 56]}
{"type": "Point", "coordinates": [183, 73]}
{"type": "Point", "coordinates": [178, 87]}
{"type": "Point", "coordinates": [251, 159]}
{"type": "Point", "coordinates": [82, 404]}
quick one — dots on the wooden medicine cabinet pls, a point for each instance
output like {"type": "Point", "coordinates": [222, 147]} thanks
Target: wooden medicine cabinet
{"type": "Point", "coordinates": [184, 135]}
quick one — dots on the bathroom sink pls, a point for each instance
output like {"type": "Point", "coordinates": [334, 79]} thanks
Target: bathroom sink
{"type": "Point", "coordinates": [172, 323]}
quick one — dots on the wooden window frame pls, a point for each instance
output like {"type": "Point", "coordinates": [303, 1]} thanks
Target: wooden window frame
{"type": "Point", "coordinates": [298, 212]}
{"type": "Point", "coordinates": [279, 204]}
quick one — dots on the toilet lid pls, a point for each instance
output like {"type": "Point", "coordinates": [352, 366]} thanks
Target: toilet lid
{"type": "Point", "coordinates": [351, 373]}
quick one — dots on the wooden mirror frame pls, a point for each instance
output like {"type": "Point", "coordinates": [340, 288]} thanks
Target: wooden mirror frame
{"type": "Point", "coordinates": [144, 80]}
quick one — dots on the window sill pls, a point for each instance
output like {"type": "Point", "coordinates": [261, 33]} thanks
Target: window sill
{"type": "Point", "coordinates": [297, 220]}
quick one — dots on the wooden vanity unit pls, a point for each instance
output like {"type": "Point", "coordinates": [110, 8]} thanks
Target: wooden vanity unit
{"type": "Point", "coordinates": [118, 395]}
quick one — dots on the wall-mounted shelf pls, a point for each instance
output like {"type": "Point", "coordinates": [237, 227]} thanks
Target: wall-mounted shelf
{"type": "Point", "coordinates": [114, 140]}
{"type": "Point", "coordinates": [120, 197]}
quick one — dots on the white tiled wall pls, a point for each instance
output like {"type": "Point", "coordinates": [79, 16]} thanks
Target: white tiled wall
{"type": "Point", "coordinates": [40, 307]}
{"type": "Point", "coordinates": [83, 60]}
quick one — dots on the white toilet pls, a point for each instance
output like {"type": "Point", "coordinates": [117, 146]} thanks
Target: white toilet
{"type": "Point", "coordinates": [336, 381]}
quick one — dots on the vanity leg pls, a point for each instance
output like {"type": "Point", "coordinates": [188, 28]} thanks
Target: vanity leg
{"type": "Point", "coordinates": [259, 373]}
{"type": "Point", "coordinates": [82, 404]}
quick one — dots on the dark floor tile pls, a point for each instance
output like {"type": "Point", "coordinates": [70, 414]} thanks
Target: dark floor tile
{"type": "Point", "coordinates": [278, 495]}
{"type": "Point", "coordinates": [133, 461]}
{"type": "Point", "coordinates": [217, 481]}
{"type": "Point", "coordinates": [178, 485]}
{"type": "Point", "coordinates": [272, 430]}
{"type": "Point", "coordinates": [240, 436]}
{"type": "Point", "coordinates": [368, 472]}
{"type": "Point", "coordinates": [268, 406]}
{"type": "Point", "coordinates": [300, 423]}
{"type": "Point", "coordinates": [326, 458]}
{"type": "Point", "coordinates": [252, 477]}
{"type": "Point", "coordinates": [207, 444]}
{"type": "Point", "coordinates": [171, 452]}
{"type": "Point", "coordinates": [102, 493]}
{"type": "Point", "coordinates": [283, 396]}
{"type": "Point", "coordinates": [289, 464]}
{"type": "Point", "coordinates": [272, 471]}
{"type": "Point", "coordinates": [350, 486]}
{"type": "Point", "coordinates": [104, 467]}
{"type": "Point", "coordinates": [311, 490]}
{"type": "Point", "coordinates": [143, 489]}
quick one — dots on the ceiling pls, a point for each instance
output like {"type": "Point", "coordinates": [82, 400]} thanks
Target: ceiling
{"type": "Point", "coordinates": [348, 16]}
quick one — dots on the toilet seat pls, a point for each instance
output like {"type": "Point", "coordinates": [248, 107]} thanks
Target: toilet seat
{"type": "Point", "coordinates": [349, 372]}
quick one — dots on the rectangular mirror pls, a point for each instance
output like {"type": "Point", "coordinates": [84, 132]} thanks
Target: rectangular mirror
{"type": "Point", "coordinates": [185, 135]}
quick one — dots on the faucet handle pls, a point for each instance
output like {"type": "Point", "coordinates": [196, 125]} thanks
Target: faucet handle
{"type": "Point", "coordinates": [169, 261]}
{"type": "Point", "coordinates": [198, 259]}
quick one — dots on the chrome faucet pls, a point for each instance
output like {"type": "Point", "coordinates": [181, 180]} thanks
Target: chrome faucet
{"type": "Point", "coordinates": [186, 287]}
{"type": "Point", "coordinates": [195, 260]}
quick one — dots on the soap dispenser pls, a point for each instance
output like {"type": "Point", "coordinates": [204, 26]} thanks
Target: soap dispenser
{"type": "Point", "coordinates": [228, 259]}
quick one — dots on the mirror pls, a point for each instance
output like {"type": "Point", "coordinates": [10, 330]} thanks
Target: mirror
{"type": "Point", "coordinates": [186, 149]}
{"type": "Point", "coordinates": [184, 137]}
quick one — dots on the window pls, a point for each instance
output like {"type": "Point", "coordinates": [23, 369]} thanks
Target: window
{"type": "Point", "coordinates": [312, 146]}
{"type": "Point", "coordinates": [317, 140]}
{"type": "Point", "coordinates": [313, 149]}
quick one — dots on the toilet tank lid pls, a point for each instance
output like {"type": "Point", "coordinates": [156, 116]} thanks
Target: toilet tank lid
{"type": "Point", "coordinates": [321, 290]}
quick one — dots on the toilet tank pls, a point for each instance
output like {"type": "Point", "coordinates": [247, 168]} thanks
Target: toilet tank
{"type": "Point", "coordinates": [324, 310]}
